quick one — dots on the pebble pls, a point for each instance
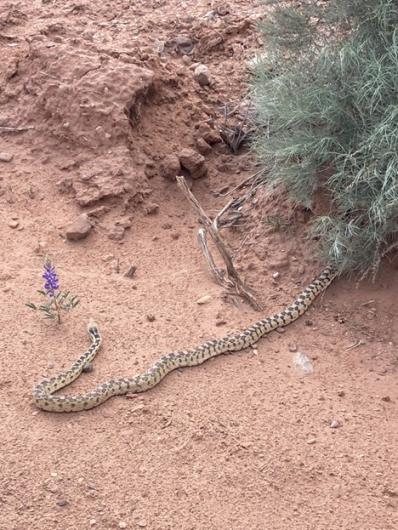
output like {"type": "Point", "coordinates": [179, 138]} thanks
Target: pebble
{"type": "Point", "coordinates": [122, 524]}
{"type": "Point", "coordinates": [194, 162]}
{"type": "Point", "coordinates": [13, 224]}
{"type": "Point", "coordinates": [41, 248]}
{"type": "Point", "coordinates": [92, 522]}
{"type": "Point", "coordinates": [62, 502]}
{"type": "Point", "coordinates": [292, 347]}
{"type": "Point", "coordinates": [152, 208]}
{"type": "Point", "coordinates": [170, 167]}
{"type": "Point", "coordinates": [204, 299]}
{"type": "Point", "coordinates": [78, 229]}
{"type": "Point", "coordinates": [303, 363]}
{"type": "Point", "coordinates": [220, 322]}
{"type": "Point", "coordinates": [130, 271]}
{"type": "Point", "coordinates": [275, 275]}
{"type": "Point", "coordinates": [150, 317]}
{"type": "Point", "coordinates": [311, 441]}
{"type": "Point", "coordinates": [202, 75]}
{"type": "Point", "coordinates": [184, 44]}
{"type": "Point", "coordinates": [141, 524]}
{"type": "Point", "coordinates": [88, 368]}
{"type": "Point", "coordinates": [335, 424]}
{"type": "Point", "coordinates": [203, 147]}
{"type": "Point", "coordinates": [6, 157]}
{"type": "Point", "coordinates": [116, 233]}
{"type": "Point", "coordinates": [50, 365]}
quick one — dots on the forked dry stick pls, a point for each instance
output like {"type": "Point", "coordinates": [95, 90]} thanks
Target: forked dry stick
{"type": "Point", "coordinates": [232, 281]}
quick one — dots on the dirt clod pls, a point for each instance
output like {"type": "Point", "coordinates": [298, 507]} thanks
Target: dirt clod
{"type": "Point", "coordinates": [194, 162]}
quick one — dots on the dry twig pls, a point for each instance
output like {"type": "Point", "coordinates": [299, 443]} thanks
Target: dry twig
{"type": "Point", "coordinates": [231, 281]}
{"type": "Point", "coordinates": [15, 129]}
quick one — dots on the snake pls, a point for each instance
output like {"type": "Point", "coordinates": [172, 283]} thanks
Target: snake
{"type": "Point", "coordinates": [43, 392]}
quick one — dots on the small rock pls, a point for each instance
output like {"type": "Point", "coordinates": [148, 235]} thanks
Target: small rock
{"type": "Point", "coordinates": [280, 330]}
{"type": "Point", "coordinates": [6, 157]}
{"type": "Point", "coordinates": [194, 162]}
{"type": "Point", "coordinates": [341, 393]}
{"type": "Point", "coordinates": [311, 441]}
{"type": "Point", "coordinates": [116, 233]}
{"type": "Point", "coordinates": [292, 347]}
{"type": "Point", "coordinates": [220, 322]}
{"type": "Point", "coordinates": [183, 44]}
{"type": "Point", "coordinates": [130, 271]}
{"type": "Point", "coordinates": [125, 222]}
{"type": "Point", "coordinates": [88, 368]}
{"type": "Point", "coordinates": [202, 75]}
{"type": "Point", "coordinates": [203, 147]}
{"type": "Point", "coordinates": [65, 185]}
{"type": "Point", "coordinates": [141, 524]}
{"type": "Point", "coordinates": [50, 365]}
{"type": "Point", "coordinates": [170, 167]}
{"type": "Point", "coordinates": [152, 208]}
{"type": "Point", "coordinates": [78, 229]}
{"type": "Point", "coordinates": [308, 323]}
{"type": "Point", "coordinates": [41, 248]}
{"type": "Point", "coordinates": [150, 317]}
{"type": "Point", "coordinates": [13, 223]}
{"type": "Point", "coordinates": [335, 424]}
{"type": "Point", "coordinates": [92, 522]}
{"type": "Point", "coordinates": [204, 299]}
{"type": "Point", "coordinates": [303, 363]}
{"type": "Point", "coordinates": [175, 235]}
{"type": "Point", "coordinates": [203, 130]}
{"type": "Point", "coordinates": [62, 502]}
{"type": "Point", "coordinates": [275, 275]}
{"type": "Point", "coordinates": [387, 399]}
{"type": "Point", "coordinates": [122, 524]}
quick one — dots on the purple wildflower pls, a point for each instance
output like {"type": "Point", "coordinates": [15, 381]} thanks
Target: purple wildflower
{"type": "Point", "coordinates": [51, 277]}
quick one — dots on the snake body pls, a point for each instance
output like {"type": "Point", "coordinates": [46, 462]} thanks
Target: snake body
{"type": "Point", "coordinates": [42, 393]}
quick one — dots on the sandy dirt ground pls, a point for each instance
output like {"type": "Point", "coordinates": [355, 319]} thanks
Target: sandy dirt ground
{"type": "Point", "coordinates": [107, 97]}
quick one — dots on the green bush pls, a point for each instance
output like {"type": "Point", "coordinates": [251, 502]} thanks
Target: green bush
{"type": "Point", "coordinates": [326, 96]}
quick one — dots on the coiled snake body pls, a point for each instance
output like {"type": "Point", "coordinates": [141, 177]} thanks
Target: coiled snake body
{"type": "Point", "coordinates": [42, 393]}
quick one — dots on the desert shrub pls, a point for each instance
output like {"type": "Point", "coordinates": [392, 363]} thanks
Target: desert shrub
{"type": "Point", "coordinates": [326, 98]}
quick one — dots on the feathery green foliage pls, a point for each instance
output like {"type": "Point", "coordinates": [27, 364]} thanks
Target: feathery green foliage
{"type": "Point", "coordinates": [326, 96]}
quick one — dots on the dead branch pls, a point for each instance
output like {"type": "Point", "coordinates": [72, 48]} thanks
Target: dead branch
{"type": "Point", "coordinates": [233, 282]}
{"type": "Point", "coordinates": [15, 129]}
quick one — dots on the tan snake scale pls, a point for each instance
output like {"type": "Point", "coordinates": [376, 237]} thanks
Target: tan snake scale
{"type": "Point", "coordinates": [42, 393]}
